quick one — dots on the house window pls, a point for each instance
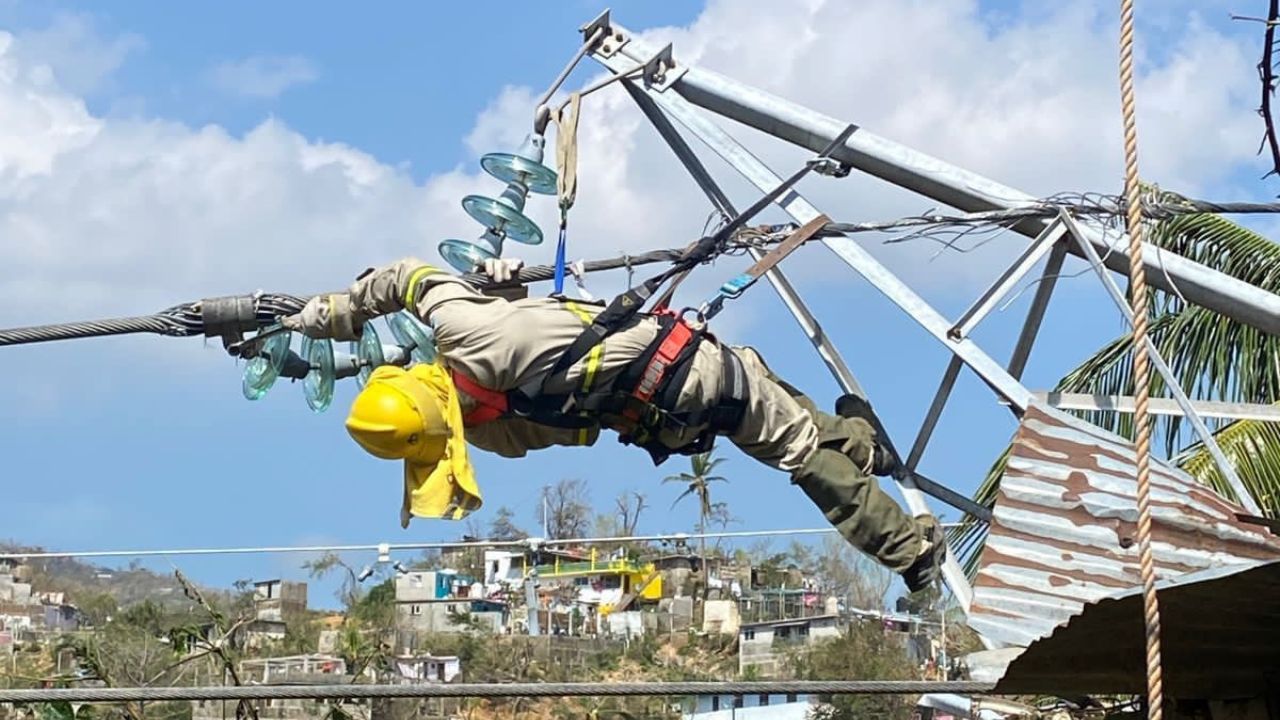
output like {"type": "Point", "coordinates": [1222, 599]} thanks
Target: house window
{"type": "Point", "coordinates": [415, 609]}
{"type": "Point", "coordinates": [749, 634]}
{"type": "Point", "coordinates": [715, 703]}
{"type": "Point", "coordinates": [783, 633]}
{"type": "Point", "coordinates": [803, 630]}
{"type": "Point", "coordinates": [737, 701]}
{"type": "Point", "coordinates": [791, 697]}
{"type": "Point", "coordinates": [764, 700]}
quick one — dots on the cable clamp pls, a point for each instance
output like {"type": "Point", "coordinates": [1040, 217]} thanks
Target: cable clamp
{"type": "Point", "coordinates": [229, 317]}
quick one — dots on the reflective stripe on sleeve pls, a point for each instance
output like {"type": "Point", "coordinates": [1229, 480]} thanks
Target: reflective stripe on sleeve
{"type": "Point", "coordinates": [410, 300]}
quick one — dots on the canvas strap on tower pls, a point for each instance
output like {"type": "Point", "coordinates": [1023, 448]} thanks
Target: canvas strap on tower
{"type": "Point", "coordinates": [566, 177]}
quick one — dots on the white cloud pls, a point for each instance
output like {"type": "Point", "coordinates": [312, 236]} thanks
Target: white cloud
{"type": "Point", "coordinates": [75, 53]}
{"type": "Point", "coordinates": [104, 216]}
{"type": "Point", "coordinates": [263, 76]}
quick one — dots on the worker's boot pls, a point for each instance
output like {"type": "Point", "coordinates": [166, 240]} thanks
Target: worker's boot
{"type": "Point", "coordinates": [855, 504]}
{"type": "Point", "coordinates": [884, 461]}
{"type": "Point", "coordinates": [927, 567]}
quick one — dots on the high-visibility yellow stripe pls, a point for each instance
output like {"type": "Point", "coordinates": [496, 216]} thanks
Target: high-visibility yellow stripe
{"type": "Point", "coordinates": [597, 352]}
{"type": "Point", "coordinates": [583, 436]}
{"type": "Point", "coordinates": [410, 301]}
{"type": "Point", "coordinates": [578, 310]}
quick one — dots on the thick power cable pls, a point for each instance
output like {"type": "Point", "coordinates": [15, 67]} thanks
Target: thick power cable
{"type": "Point", "coordinates": [493, 690]}
{"type": "Point", "coordinates": [185, 320]}
{"type": "Point", "coordinates": [1141, 366]}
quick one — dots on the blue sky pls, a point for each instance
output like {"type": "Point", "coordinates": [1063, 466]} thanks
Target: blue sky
{"type": "Point", "coordinates": [200, 177]}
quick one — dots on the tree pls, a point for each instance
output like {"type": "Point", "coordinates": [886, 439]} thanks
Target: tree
{"type": "Point", "coordinates": [96, 608]}
{"type": "Point", "coordinates": [698, 484]}
{"type": "Point", "coordinates": [566, 510]}
{"type": "Point", "coordinates": [348, 592]}
{"type": "Point", "coordinates": [863, 650]}
{"type": "Point", "coordinates": [1213, 357]}
{"type": "Point", "coordinates": [503, 526]}
{"type": "Point", "coordinates": [628, 508]}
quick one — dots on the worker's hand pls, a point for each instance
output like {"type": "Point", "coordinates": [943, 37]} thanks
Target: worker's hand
{"type": "Point", "coordinates": [327, 316]}
{"type": "Point", "coordinates": [502, 269]}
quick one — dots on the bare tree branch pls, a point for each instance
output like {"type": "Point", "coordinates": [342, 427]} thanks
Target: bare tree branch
{"type": "Point", "coordinates": [1267, 76]}
{"type": "Point", "coordinates": [225, 635]}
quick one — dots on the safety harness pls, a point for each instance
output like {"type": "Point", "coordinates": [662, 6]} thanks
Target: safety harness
{"type": "Point", "coordinates": [639, 403]}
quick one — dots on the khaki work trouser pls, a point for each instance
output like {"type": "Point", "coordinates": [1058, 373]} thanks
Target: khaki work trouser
{"type": "Point", "coordinates": [835, 478]}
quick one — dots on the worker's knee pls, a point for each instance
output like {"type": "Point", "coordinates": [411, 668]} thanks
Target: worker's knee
{"type": "Point", "coordinates": [852, 437]}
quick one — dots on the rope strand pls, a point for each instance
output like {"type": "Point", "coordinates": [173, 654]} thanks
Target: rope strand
{"type": "Point", "coordinates": [1141, 365]}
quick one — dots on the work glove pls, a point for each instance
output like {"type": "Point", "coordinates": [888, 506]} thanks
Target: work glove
{"type": "Point", "coordinates": [327, 316]}
{"type": "Point", "coordinates": [501, 270]}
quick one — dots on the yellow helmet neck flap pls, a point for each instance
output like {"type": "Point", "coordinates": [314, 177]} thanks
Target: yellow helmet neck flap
{"type": "Point", "coordinates": [415, 416]}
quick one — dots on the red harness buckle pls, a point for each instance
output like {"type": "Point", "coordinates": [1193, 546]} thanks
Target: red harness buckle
{"type": "Point", "coordinates": [490, 404]}
{"type": "Point", "coordinates": [672, 345]}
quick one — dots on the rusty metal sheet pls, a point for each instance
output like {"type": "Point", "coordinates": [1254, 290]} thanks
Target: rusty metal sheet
{"type": "Point", "coordinates": [1220, 631]}
{"type": "Point", "coordinates": [1064, 531]}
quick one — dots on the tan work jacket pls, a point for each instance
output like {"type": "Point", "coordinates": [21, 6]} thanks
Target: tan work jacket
{"type": "Point", "coordinates": [502, 344]}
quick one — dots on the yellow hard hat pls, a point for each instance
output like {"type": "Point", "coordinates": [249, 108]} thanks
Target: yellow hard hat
{"type": "Point", "coordinates": [396, 417]}
{"type": "Point", "coordinates": [414, 416]}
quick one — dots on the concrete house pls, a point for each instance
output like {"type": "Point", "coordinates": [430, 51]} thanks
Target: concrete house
{"type": "Point", "coordinates": [763, 645]}
{"type": "Point", "coordinates": [427, 602]}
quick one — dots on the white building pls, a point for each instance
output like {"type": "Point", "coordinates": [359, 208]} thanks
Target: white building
{"type": "Point", "coordinates": [751, 707]}
{"type": "Point", "coordinates": [428, 668]}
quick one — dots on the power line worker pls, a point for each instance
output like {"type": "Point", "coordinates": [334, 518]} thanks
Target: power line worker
{"type": "Point", "coordinates": [660, 383]}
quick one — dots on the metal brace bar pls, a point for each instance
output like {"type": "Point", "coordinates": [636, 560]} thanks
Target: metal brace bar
{"type": "Point", "coordinates": [1012, 275]}
{"type": "Point", "coordinates": [1170, 380]}
{"type": "Point", "coordinates": [960, 188]}
{"type": "Point", "coordinates": [935, 411]}
{"type": "Point", "coordinates": [776, 277]}
{"type": "Point", "coordinates": [1161, 406]}
{"type": "Point", "coordinates": [1035, 314]}
{"type": "Point", "coordinates": [860, 260]}
{"type": "Point", "coordinates": [795, 205]}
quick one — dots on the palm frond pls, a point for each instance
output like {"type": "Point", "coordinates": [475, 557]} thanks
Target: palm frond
{"type": "Point", "coordinates": [967, 539]}
{"type": "Point", "coordinates": [1253, 449]}
{"type": "Point", "coordinates": [687, 492]}
{"type": "Point", "coordinates": [1212, 356]}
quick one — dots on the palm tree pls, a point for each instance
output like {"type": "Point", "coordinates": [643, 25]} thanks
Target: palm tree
{"type": "Point", "coordinates": [698, 483]}
{"type": "Point", "coordinates": [1213, 357]}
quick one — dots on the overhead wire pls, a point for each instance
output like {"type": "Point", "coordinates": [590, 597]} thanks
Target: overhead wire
{"type": "Point", "coordinates": [429, 545]}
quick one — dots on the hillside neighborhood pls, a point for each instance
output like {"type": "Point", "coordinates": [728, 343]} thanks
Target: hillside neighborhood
{"type": "Point", "coordinates": [471, 613]}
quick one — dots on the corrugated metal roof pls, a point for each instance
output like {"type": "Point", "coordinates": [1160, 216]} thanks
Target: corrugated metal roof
{"type": "Point", "coordinates": [1064, 531]}
{"type": "Point", "coordinates": [1220, 631]}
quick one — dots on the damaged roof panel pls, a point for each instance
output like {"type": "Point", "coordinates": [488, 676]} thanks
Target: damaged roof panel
{"type": "Point", "coordinates": [1220, 631]}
